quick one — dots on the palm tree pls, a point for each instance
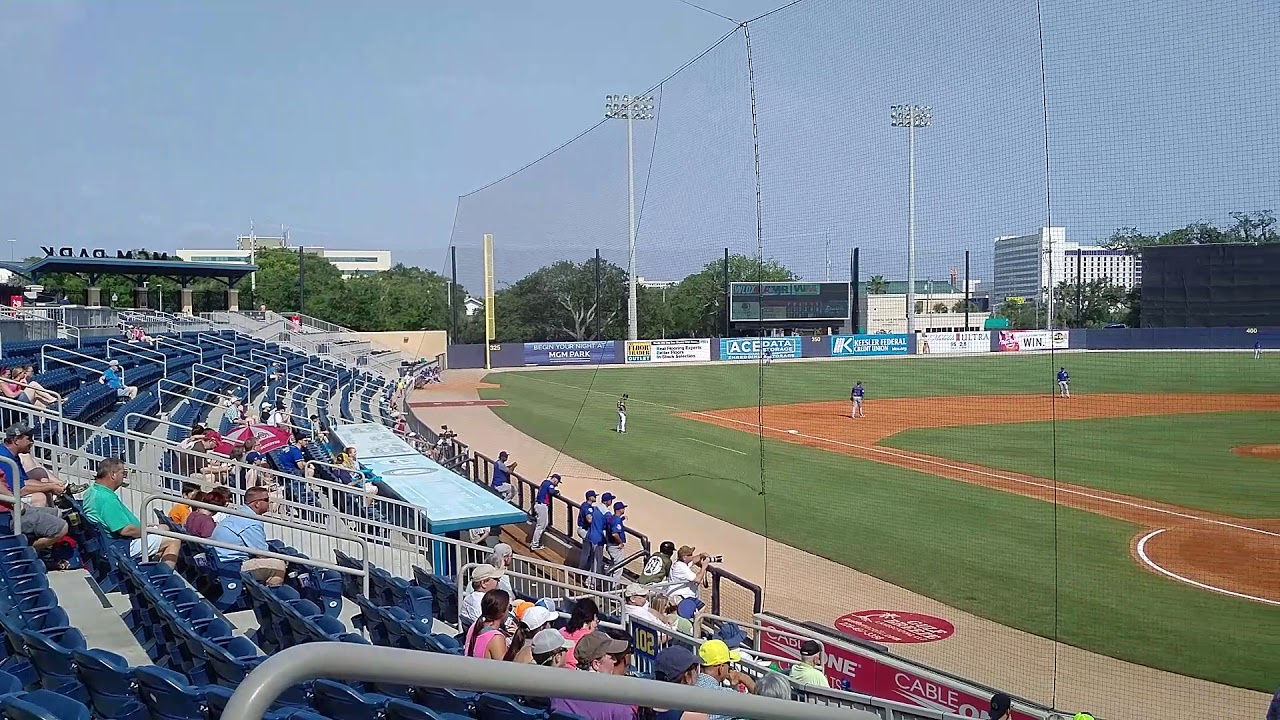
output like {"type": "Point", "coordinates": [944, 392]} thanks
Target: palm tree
{"type": "Point", "coordinates": [877, 285]}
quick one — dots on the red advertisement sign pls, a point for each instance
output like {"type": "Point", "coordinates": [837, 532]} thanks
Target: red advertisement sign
{"type": "Point", "coordinates": [891, 626]}
{"type": "Point", "coordinates": [15, 301]}
{"type": "Point", "coordinates": [890, 679]}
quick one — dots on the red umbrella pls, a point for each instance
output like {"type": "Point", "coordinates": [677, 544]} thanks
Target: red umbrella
{"type": "Point", "coordinates": [269, 438]}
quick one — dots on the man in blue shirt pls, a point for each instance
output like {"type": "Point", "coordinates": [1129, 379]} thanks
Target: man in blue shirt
{"type": "Point", "coordinates": [616, 537]}
{"type": "Point", "coordinates": [584, 514]}
{"type": "Point", "coordinates": [293, 461]}
{"type": "Point", "coordinates": [43, 526]}
{"type": "Point", "coordinates": [542, 509]}
{"type": "Point", "coordinates": [251, 533]}
{"type": "Point", "coordinates": [591, 558]}
{"type": "Point", "coordinates": [502, 477]}
{"type": "Point", "coordinates": [113, 377]}
{"type": "Point", "coordinates": [1064, 383]}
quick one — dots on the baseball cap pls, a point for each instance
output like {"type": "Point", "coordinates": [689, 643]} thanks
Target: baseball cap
{"type": "Point", "coordinates": [635, 589]}
{"type": "Point", "coordinates": [17, 430]}
{"type": "Point", "coordinates": [536, 617]}
{"type": "Point", "coordinates": [1000, 704]}
{"type": "Point", "coordinates": [554, 476]}
{"type": "Point", "coordinates": [549, 640]}
{"type": "Point", "coordinates": [686, 550]}
{"type": "Point", "coordinates": [607, 497]}
{"type": "Point", "coordinates": [672, 662]}
{"type": "Point", "coordinates": [1083, 716]}
{"type": "Point", "coordinates": [688, 607]}
{"type": "Point", "coordinates": [521, 608]}
{"type": "Point", "coordinates": [591, 494]}
{"type": "Point", "coordinates": [595, 645]}
{"type": "Point", "coordinates": [485, 572]}
{"type": "Point", "coordinates": [619, 505]}
{"type": "Point", "coordinates": [113, 363]}
{"type": "Point", "coordinates": [667, 547]}
{"type": "Point", "coordinates": [809, 648]}
{"type": "Point", "coordinates": [713, 652]}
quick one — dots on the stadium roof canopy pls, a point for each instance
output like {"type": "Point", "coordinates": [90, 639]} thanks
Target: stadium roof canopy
{"type": "Point", "coordinates": [139, 270]}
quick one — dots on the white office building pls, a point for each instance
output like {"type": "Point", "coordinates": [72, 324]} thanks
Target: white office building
{"type": "Point", "coordinates": [1098, 263]}
{"type": "Point", "coordinates": [1025, 266]}
{"type": "Point", "coordinates": [351, 263]}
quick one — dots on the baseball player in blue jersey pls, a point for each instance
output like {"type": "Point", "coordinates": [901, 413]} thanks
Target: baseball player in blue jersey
{"type": "Point", "coordinates": [1064, 383]}
{"type": "Point", "coordinates": [542, 508]}
{"type": "Point", "coordinates": [855, 397]}
{"type": "Point", "coordinates": [768, 356]}
{"type": "Point", "coordinates": [1257, 349]}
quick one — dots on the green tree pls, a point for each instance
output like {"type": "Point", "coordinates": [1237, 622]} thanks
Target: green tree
{"type": "Point", "coordinates": [1022, 315]}
{"type": "Point", "coordinates": [558, 302]}
{"type": "Point", "coordinates": [877, 285]}
{"type": "Point", "coordinates": [279, 289]}
{"type": "Point", "coordinates": [696, 304]}
{"type": "Point", "coordinates": [1100, 302]}
{"type": "Point", "coordinates": [941, 307]}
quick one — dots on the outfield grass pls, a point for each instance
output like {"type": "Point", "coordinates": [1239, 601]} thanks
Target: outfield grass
{"type": "Point", "coordinates": [981, 550]}
{"type": "Point", "coordinates": [1180, 459]}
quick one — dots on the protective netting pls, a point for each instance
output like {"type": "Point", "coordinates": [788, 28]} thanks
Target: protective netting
{"type": "Point", "coordinates": [971, 493]}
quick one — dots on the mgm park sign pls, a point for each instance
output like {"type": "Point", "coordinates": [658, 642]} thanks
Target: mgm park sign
{"type": "Point", "coordinates": [69, 252]}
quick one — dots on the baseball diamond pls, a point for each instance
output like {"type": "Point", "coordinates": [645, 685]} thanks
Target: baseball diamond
{"type": "Point", "coordinates": [969, 483]}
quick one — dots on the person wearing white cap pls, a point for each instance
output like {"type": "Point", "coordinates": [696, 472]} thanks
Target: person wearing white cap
{"type": "Point", "coordinates": [550, 648]}
{"type": "Point", "coordinates": [534, 620]}
{"type": "Point", "coordinates": [113, 377]}
{"type": "Point", "coordinates": [637, 606]}
{"type": "Point", "coordinates": [483, 579]}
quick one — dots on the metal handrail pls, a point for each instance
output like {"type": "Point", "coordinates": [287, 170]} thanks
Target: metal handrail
{"type": "Point", "coordinates": [42, 388]}
{"type": "Point", "coordinates": [212, 373]}
{"type": "Point", "coordinates": [137, 352]}
{"type": "Point", "coordinates": [243, 364]}
{"type": "Point", "coordinates": [364, 544]}
{"type": "Point", "coordinates": [255, 694]}
{"type": "Point", "coordinates": [44, 357]}
{"type": "Point", "coordinates": [216, 340]}
{"type": "Point", "coordinates": [181, 345]}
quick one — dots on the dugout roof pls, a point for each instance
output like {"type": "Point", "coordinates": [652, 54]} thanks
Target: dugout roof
{"type": "Point", "coordinates": [137, 269]}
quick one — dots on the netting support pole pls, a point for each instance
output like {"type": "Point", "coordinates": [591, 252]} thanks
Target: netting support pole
{"type": "Point", "coordinates": [453, 290]}
{"type": "Point", "coordinates": [724, 294]}
{"type": "Point", "coordinates": [966, 291]}
{"type": "Point", "coordinates": [633, 332]}
{"type": "Point", "coordinates": [1079, 275]}
{"type": "Point", "coordinates": [596, 312]}
{"type": "Point", "coordinates": [853, 289]}
{"type": "Point", "coordinates": [302, 282]}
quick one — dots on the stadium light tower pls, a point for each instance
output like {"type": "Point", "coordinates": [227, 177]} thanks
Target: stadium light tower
{"type": "Point", "coordinates": [629, 108]}
{"type": "Point", "coordinates": [911, 117]}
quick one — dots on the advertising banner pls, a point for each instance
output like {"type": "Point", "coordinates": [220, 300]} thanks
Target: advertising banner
{"type": "Point", "coordinates": [668, 351]}
{"type": "Point", "coordinates": [878, 676]}
{"type": "Point", "coordinates": [946, 343]}
{"type": "Point", "coordinates": [753, 348]}
{"type": "Point", "coordinates": [1031, 340]}
{"type": "Point", "coordinates": [586, 352]}
{"type": "Point", "coordinates": [859, 345]}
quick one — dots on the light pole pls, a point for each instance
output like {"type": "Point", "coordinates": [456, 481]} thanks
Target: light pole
{"type": "Point", "coordinates": [911, 117]}
{"type": "Point", "coordinates": [630, 107]}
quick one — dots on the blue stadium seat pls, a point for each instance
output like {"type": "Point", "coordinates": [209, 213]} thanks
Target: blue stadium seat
{"type": "Point", "coordinates": [42, 705]}
{"type": "Point", "coordinates": [168, 695]}
{"type": "Point", "coordinates": [113, 688]}
{"type": "Point", "coordinates": [445, 701]}
{"type": "Point", "coordinates": [405, 710]}
{"type": "Point", "coordinates": [337, 700]}
{"type": "Point", "coordinates": [489, 706]}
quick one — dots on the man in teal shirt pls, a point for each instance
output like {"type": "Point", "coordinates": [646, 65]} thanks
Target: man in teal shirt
{"type": "Point", "coordinates": [103, 506]}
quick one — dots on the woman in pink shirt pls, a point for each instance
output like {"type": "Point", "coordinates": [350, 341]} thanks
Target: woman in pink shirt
{"type": "Point", "coordinates": [486, 638]}
{"type": "Point", "coordinates": [583, 620]}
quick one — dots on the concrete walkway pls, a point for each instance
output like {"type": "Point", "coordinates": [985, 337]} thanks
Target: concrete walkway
{"type": "Point", "coordinates": [803, 586]}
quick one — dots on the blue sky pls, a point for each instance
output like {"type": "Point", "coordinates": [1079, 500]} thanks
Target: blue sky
{"type": "Point", "coordinates": [171, 124]}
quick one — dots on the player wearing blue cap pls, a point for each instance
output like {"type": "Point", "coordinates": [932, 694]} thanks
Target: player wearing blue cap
{"type": "Point", "coordinates": [542, 509]}
{"type": "Point", "coordinates": [616, 538]}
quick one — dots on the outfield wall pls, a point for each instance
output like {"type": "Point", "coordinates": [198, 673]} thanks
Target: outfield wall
{"type": "Point", "coordinates": [753, 349]}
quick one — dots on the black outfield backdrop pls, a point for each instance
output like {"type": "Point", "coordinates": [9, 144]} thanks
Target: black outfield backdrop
{"type": "Point", "coordinates": [1225, 285]}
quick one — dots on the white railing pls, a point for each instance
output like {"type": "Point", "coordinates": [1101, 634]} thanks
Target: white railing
{"type": "Point", "coordinates": [182, 345]}
{"type": "Point", "coordinates": [121, 347]}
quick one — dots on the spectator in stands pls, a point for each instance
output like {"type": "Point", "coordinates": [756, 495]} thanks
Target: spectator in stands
{"type": "Point", "coordinates": [774, 685]}
{"type": "Point", "coordinates": [1001, 705]}
{"type": "Point", "coordinates": [616, 539]}
{"type": "Point", "coordinates": [688, 573]}
{"type": "Point", "coordinates": [351, 472]}
{"type": "Point", "coordinates": [658, 567]}
{"type": "Point", "coordinates": [808, 671]}
{"type": "Point", "coordinates": [40, 488]}
{"type": "Point", "coordinates": [584, 619]}
{"type": "Point", "coordinates": [483, 579]}
{"type": "Point", "coordinates": [103, 506]}
{"type": "Point", "coordinates": [33, 390]}
{"type": "Point", "coordinates": [733, 636]}
{"type": "Point", "coordinates": [542, 508]}
{"type": "Point", "coordinates": [202, 522]}
{"type": "Point", "coordinates": [234, 412]}
{"type": "Point", "coordinates": [598, 653]}
{"type": "Point", "coordinates": [113, 377]}
{"type": "Point", "coordinates": [279, 417]}
{"type": "Point", "coordinates": [250, 532]}
{"type": "Point", "coordinates": [43, 526]}
{"type": "Point", "coordinates": [293, 460]}
{"type": "Point", "coordinates": [534, 620]}
{"type": "Point", "coordinates": [486, 637]}
{"type": "Point", "coordinates": [716, 659]}
{"type": "Point", "coordinates": [660, 608]}
{"type": "Point", "coordinates": [501, 557]}
{"type": "Point", "coordinates": [179, 512]}
{"type": "Point", "coordinates": [686, 609]}
{"type": "Point", "coordinates": [10, 387]}
{"type": "Point", "coordinates": [254, 459]}
{"type": "Point", "coordinates": [550, 648]}
{"type": "Point", "coordinates": [637, 599]}
{"type": "Point", "coordinates": [502, 476]}
{"type": "Point", "coordinates": [676, 664]}
{"type": "Point", "coordinates": [196, 436]}
{"type": "Point", "coordinates": [584, 514]}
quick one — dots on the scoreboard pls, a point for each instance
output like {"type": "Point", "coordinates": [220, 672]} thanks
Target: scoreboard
{"type": "Point", "coordinates": [781, 302]}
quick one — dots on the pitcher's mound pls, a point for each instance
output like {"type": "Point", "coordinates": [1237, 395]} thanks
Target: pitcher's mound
{"type": "Point", "coordinates": [1271, 452]}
